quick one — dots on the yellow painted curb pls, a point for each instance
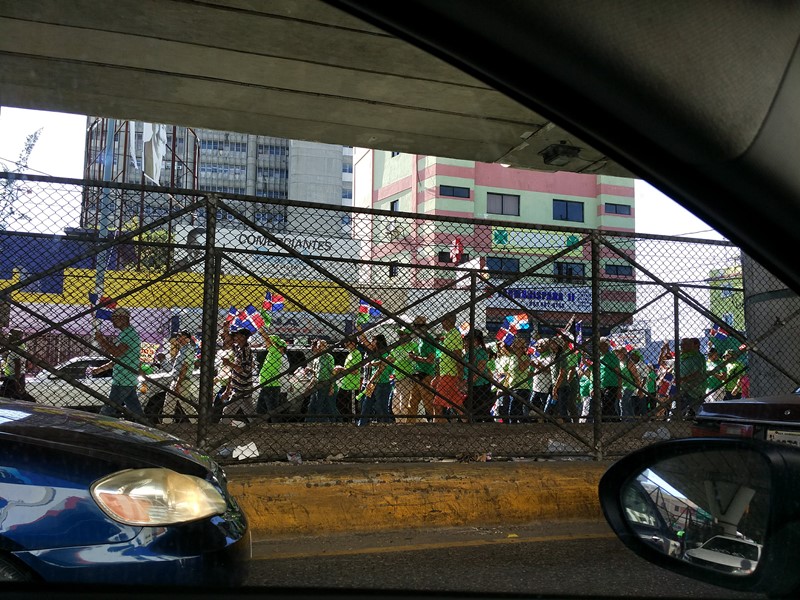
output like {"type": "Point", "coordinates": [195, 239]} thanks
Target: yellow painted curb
{"type": "Point", "coordinates": [314, 499]}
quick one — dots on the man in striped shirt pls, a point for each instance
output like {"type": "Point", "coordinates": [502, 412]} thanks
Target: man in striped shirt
{"type": "Point", "coordinates": [240, 390]}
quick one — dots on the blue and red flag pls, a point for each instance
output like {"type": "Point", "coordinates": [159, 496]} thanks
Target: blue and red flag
{"type": "Point", "coordinates": [579, 332]}
{"type": "Point", "coordinates": [718, 333]}
{"type": "Point", "coordinates": [533, 348]}
{"type": "Point", "coordinates": [272, 302]}
{"type": "Point", "coordinates": [506, 336]}
{"type": "Point", "coordinates": [364, 307]}
{"type": "Point", "coordinates": [232, 314]}
{"type": "Point", "coordinates": [104, 307]}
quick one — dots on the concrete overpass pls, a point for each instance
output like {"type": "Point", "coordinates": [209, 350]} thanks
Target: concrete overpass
{"type": "Point", "coordinates": [298, 69]}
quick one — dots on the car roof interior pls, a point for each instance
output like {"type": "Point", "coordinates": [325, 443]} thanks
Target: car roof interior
{"type": "Point", "coordinates": [699, 98]}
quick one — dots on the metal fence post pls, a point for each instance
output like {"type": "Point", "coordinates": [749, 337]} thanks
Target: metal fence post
{"type": "Point", "coordinates": [471, 349]}
{"type": "Point", "coordinates": [595, 406]}
{"type": "Point", "coordinates": [211, 272]}
{"type": "Point", "coordinates": [676, 354]}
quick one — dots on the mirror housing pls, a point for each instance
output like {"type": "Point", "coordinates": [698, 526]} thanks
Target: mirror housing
{"type": "Point", "coordinates": [776, 572]}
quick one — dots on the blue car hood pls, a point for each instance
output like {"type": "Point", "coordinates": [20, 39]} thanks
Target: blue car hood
{"type": "Point", "coordinates": [94, 434]}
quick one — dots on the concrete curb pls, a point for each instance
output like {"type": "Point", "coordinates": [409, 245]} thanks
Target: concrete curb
{"type": "Point", "coordinates": [318, 499]}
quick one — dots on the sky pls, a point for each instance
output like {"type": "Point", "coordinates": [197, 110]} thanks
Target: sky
{"type": "Point", "coordinates": [59, 153]}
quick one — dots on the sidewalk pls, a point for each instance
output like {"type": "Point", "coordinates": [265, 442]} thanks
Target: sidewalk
{"type": "Point", "coordinates": [310, 499]}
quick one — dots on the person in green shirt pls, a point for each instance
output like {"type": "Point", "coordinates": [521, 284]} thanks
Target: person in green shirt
{"type": "Point", "coordinates": [692, 383]}
{"type": "Point", "coordinates": [610, 388]}
{"type": "Point", "coordinates": [424, 358]}
{"type": "Point", "coordinates": [564, 374]}
{"type": "Point", "coordinates": [125, 370]}
{"type": "Point", "coordinates": [716, 375]}
{"type": "Point", "coordinates": [733, 375]}
{"type": "Point", "coordinates": [482, 397]}
{"type": "Point", "coordinates": [269, 376]}
{"type": "Point", "coordinates": [322, 404]}
{"type": "Point", "coordinates": [518, 379]}
{"type": "Point", "coordinates": [349, 375]}
{"type": "Point", "coordinates": [404, 370]}
{"type": "Point", "coordinates": [378, 387]}
{"type": "Point", "coordinates": [448, 384]}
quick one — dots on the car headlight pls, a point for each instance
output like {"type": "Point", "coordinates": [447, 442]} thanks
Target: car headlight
{"type": "Point", "coordinates": [156, 497]}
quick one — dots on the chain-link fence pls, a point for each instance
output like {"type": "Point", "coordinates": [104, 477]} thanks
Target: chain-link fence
{"type": "Point", "coordinates": [275, 329]}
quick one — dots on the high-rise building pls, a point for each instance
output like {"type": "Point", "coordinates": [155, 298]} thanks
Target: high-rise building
{"type": "Point", "coordinates": [215, 161]}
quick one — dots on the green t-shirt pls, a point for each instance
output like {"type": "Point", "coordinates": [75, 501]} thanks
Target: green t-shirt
{"type": "Point", "coordinates": [585, 386]}
{"type": "Point", "coordinates": [324, 367]}
{"type": "Point", "coordinates": [479, 355]}
{"type": "Point", "coordinates": [519, 372]}
{"type": "Point", "coordinates": [271, 369]}
{"type": "Point", "coordinates": [692, 363]}
{"type": "Point", "coordinates": [452, 341]}
{"type": "Point", "coordinates": [651, 381]}
{"type": "Point", "coordinates": [425, 349]}
{"type": "Point", "coordinates": [404, 366]}
{"type": "Point", "coordinates": [129, 376]}
{"type": "Point", "coordinates": [609, 370]}
{"type": "Point", "coordinates": [386, 374]}
{"type": "Point", "coordinates": [351, 381]}
{"type": "Point", "coordinates": [734, 371]}
{"type": "Point", "coordinates": [713, 382]}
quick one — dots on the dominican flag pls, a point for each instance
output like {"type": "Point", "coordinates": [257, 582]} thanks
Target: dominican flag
{"type": "Point", "coordinates": [232, 314]}
{"type": "Point", "coordinates": [718, 333]}
{"type": "Point", "coordinates": [254, 316]}
{"type": "Point", "coordinates": [104, 307]}
{"type": "Point", "coordinates": [272, 302]}
{"type": "Point", "coordinates": [505, 336]}
{"type": "Point", "coordinates": [578, 332]}
{"type": "Point", "coordinates": [456, 251]}
{"type": "Point", "coordinates": [365, 308]}
{"type": "Point", "coordinates": [517, 322]}
{"type": "Point", "coordinates": [532, 349]}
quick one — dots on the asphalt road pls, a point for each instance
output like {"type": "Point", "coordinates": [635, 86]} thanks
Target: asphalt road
{"type": "Point", "coordinates": [574, 559]}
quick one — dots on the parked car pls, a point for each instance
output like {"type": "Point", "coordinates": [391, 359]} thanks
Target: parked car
{"type": "Point", "coordinates": [727, 554]}
{"type": "Point", "coordinates": [772, 418]}
{"type": "Point", "coordinates": [93, 499]}
{"type": "Point", "coordinates": [48, 388]}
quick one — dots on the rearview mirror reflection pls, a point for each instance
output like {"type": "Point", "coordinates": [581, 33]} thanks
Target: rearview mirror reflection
{"type": "Point", "coordinates": [709, 508]}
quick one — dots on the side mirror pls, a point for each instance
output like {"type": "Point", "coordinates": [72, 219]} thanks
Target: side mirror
{"type": "Point", "coordinates": [723, 511]}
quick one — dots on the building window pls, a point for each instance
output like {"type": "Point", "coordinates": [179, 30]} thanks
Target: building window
{"type": "Point", "coordinates": [568, 271]}
{"type": "Point", "coordinates": [347, 194]}
{"type": "Point", "coordinates": [454, 191]}
{"type": "Point", "coordinates": [502, 204]}
{"type": "Point", "coordinates": [617, 209]}
{"type": "Point", "coordinates": [347, 167]}
{"type": "Point", "coordinates": [394, 206]}
{"type": "Point", "coordinates": [621, 270]}
{"type": "Point", "coordinates": [444, 257]}
{"type": "Point", "coordinates": [496, 263]}
{"type": "Point", "coordinates": [567, 210]}
{"type": "Point", "coordinates": [394, 270]}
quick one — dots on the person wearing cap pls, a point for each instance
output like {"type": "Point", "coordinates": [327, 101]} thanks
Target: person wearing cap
{"type": "Point", "coordinates": [239, 395]}
{"type": "Point", "coordinates": [269, 376]}
{"type": "Point", "coordinates": [126, 352]}
{"type": "Point", "coordinates": [180, 376]}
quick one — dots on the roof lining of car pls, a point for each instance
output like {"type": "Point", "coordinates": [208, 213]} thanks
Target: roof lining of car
{"type": "Point", "coordinates": [688, 156]}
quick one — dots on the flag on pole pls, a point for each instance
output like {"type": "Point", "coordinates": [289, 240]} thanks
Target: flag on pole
{"type": "Point", "coordinates": [272, 302]}
{"type": "Point", "coordinates": [232, 314]}
{"type": "Point", "coordinates": [254, 316]}
{"type": "Point", "coordinates": [517, 322]}
{"type": "Point", "coordinates": [104, 307]}
{"type": "Point", "coordinates": [578, 332]}
{"type": "Point", "coordinates": [456, 251]}
{"type": "Point", "coordinates": [533, 348]}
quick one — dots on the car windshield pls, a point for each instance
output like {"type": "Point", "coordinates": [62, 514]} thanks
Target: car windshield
{"type": "Point", "coordinates": [295, 298]}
